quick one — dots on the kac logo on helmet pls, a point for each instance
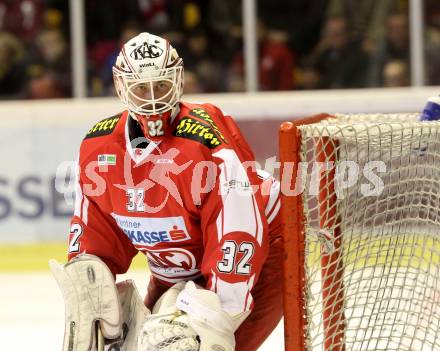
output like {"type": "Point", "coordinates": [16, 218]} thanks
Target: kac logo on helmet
{"type": "Point", "coordinates": [146, 50]}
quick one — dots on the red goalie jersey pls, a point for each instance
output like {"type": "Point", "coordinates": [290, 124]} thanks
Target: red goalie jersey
{"type": "Point", "coordinates": [194, 204]}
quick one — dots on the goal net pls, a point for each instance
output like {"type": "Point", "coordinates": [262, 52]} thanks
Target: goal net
{"type": "Point", "coordinates": [361, 206]}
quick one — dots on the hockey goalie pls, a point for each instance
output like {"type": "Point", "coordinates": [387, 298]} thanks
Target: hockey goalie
{"type": "Point", "coordinates": [176, 181]}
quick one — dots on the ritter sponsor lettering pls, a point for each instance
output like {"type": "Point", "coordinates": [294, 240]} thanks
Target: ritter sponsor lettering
{"type": "Point", "coordinates": [103, 127]}
{"type": "Point", "coordinates": [202, 114]}
{"type": "Point", "coordinates": [192, 129]}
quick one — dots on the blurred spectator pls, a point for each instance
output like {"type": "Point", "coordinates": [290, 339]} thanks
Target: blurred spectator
{"type": "Point", "coordinates": [54, 19]}
{"type": "Point", "coordinates": [211, 76]}
{"type": "Point", "coordinates": [12, 70]}
{"type": "Point", "coordinates": [196, 48]}
{"type": "Point", "coordinates": [44, 85]}
{"type": "Point", "coordinates": [104, 26]}
{"type": "Point", "coordinates": [49, 69]}
{"type": "Point", "coordinates": [198, 59]}
{"type": "Point", "coordinates": [397, 34]}
{"type": "Point", "coordinates": [432, 13]}
{"type": "Point", "coordinates": [102, 58]}
{"type": "Point", "coordinates": [104, 19]}
{"type": "Point", "coordinates": [153, 14]}
{"type": "Point", "coordinates": [52, 47]}
{"type": "Point", "coordinates": [222, 15]}
{"type": "Point", "coordinates": [334, 39]}
{"type": "Point", "coordinates": [275, 59]}
{"type": "Point", "coordinates": [308, 77]}
{"type": "Point", "coordinates": [192, 85]}
{"type": "Point", "coordinates": [396, 74]}
{"type": "Point", "coordinates": [23, 18]}
{"type": "Point", "coordinates": [432, 61]}
{"type": "Point", "coordinates": [224, 20]}
{"type": "Point", "coordinates": [365, 18]}
{"type": "Point", "coordinates": [395, 46]}
{"type": "Point", "coordinates": [432, 41]}
{"type": "Point", "coordinates": [340, 61]}
{"type": "Point", "coordinates": [301, 19]}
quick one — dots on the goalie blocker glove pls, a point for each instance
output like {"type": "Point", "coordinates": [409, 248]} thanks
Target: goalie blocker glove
{"type": "Point", "coordinates": [189, 318]}
{"type": "Point", "coordinates": [98, 311]}
{"type": "Point", "coordinates": [167, 328]}
{"type": "Point", "coordinates": [214, 326]}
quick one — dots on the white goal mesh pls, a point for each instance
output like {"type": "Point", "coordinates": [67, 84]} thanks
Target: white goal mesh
{"type": "Point", "coordinates": [371, 207]}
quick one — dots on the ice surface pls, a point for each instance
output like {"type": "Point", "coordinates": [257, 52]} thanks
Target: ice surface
{"type": "Point", "coordinates": [32, 312]}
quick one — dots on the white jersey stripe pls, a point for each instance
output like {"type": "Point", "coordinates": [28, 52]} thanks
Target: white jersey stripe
{"type": "Point", "coordinates": [78, 192]}
{"type": "Point", "coordinates": [239, 203]}
{"type": "Point", "coordinates": [249, 298]}
{"type": "Point", "coordinates": [213, 286]}
{"type": "Point", "coordinates": [85, 210]}
{"type": "Point", "coordinates": [269, 212]}
{"type": "Point", "coordinates": [273, 196]}
{"type": "Point", "coordinates": [258, 224]}
{"type": "Point", "coordinates": [219, 222]}
{"type": "Point", "coordinates": [235, 297]}
{"type": "Point", "coordinates": [274, 212]}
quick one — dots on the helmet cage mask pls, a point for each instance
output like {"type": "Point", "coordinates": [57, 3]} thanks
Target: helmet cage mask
{"type": "Point", "coordinates": [128, 84]}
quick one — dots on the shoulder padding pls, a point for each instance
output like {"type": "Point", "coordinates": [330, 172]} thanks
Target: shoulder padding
{"type": "Point", "coordinates": [104, 127]}
{"type": "Point", "coordinates": [198, 125]}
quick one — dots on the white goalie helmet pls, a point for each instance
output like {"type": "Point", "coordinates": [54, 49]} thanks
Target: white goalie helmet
{"type": "Point", "coordinates": [148, 76]}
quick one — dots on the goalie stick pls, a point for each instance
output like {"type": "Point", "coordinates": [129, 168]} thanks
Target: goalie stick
{"type": "Point", "coordinates": [100, 342]}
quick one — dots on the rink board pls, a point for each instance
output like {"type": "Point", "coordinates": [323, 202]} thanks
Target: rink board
{"type": "Point", "coordinates": [35, 257]}
{"type": "Point", "coordinates": [416, 250]}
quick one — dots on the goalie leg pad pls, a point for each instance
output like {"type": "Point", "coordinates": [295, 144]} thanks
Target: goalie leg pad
{"type": "Point", "coordinates": [134, 313]}
{"type": "Point", "coordinates": [90, 295]}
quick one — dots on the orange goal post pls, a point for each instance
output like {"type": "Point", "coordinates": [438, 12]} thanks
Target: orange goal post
{"type": "Point", "coordinates": [361, 216]}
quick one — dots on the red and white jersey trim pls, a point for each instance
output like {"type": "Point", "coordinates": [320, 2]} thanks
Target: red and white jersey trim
{"type": "Point", "coordinates": [176, 279]}
{"type": "Point", "coordinates": [239, 203]}
{"type": "Point", "coordinates": [78, 192]}
{"type": "Point", "coordinates": [81, 201]}
{"type": "Point", "coordinates": [273, 213]}
{"type": "Point", "coordinates": [274, 203]}
{"type": "Point", "coordinates": [235, 297]}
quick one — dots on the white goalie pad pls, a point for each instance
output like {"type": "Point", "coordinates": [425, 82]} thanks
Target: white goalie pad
{"type": "Point", "coordinates": [90, 295]}
{"type": "Point", "coordinates": [134, 313]}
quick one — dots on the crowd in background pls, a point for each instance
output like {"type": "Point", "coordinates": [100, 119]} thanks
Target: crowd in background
{"type": "Point", "coordinates": [302, 44]}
